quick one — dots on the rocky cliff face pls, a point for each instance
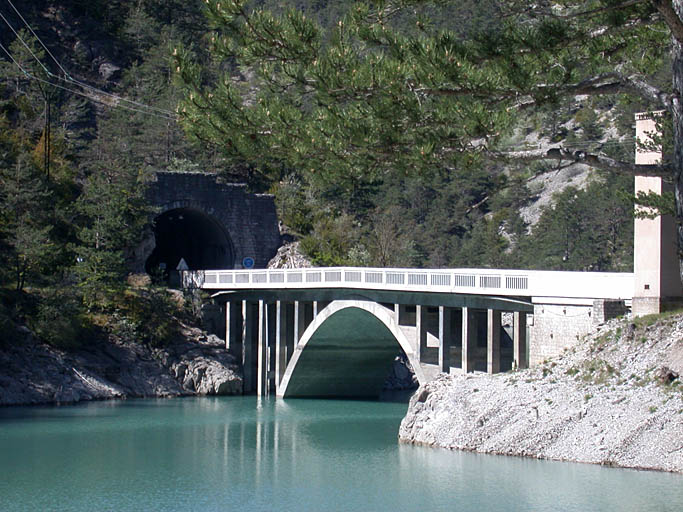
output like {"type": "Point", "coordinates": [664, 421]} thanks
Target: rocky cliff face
{"type": "Point", "coordinates": [34, 373]}
{"type": "Point", "coordinates": [616, 399]}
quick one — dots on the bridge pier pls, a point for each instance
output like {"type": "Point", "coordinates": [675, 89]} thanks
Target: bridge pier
{"type": "Point", "coordinates": [493, 341]}
{"type": "Point", "coordinates": [519, 341]}
{"type": "Point", "coordinates": [233, 328]}
{"type": "Point", "coordinates": [446, 339]}
{"type": "Point", "coordinates": [250, 336]}
{"type": "Point", "coordinates": [284, 339]}
{"type": "Point", "coordinates": [469, 339]}
{"type": "Point", "coordinates": [420, 332]}
{"type": "Point", "coordinates": [262, 362]}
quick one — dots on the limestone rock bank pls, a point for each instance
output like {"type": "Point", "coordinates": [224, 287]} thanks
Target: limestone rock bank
{"type": "Point", "coordinates": [34, 373]}
{"type": "Point", "coordinates": [289, 256]}
{"type": "Point", "coordinates": [616, 399]}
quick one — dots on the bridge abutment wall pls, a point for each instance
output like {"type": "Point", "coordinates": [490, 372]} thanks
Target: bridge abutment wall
{"type": "Point", "coordinates": [556, 327]}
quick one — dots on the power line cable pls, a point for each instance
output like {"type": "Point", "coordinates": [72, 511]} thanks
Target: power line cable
{"type": "Point", "coordinates": [68, 78]}
{"type": "Point", "coordinates": [36, 36]}
{"type": "Point", "coordinates": [24, 43]}
{"type": "Point", "coordinates": [80, 93]}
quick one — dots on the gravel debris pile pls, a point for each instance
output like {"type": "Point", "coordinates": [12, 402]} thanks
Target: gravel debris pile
{"type": "Point", "coordinates": [615, 399]}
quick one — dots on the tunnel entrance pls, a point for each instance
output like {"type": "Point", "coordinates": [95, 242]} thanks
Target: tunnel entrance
{"type": "Point", "coordinates": [193, 236]}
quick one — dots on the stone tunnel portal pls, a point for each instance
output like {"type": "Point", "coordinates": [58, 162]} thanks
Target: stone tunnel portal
{"type": "Point", "coordinates": [193, 235]}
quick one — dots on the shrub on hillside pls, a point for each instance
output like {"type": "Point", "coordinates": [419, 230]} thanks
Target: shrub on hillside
{"type": "Point", "coordinates": [61, 321]}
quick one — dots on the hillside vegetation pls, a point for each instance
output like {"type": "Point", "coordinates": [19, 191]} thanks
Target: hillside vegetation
{"type": "Point", "coordinates": [88, 107]}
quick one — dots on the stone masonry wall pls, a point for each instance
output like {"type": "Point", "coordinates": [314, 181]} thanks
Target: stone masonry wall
{"type": "Point", "coordinates": [250, 220]}
{"type": "Point", "coordinates": [556, 327]}
{"type": "Point", "coordinates": [604, 310]}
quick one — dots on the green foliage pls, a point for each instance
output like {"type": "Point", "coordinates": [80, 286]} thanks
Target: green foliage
{"type": "Point", "coordinates": [294, 207]}
{"type": "Point", "coordinates": [61, 320]}
{"type": "Point", "coordinates": [332, 241]}
{"type": "Point", "coordinates": [133, 309]}
{"type": "Point", "coordinates": [369, 110]}
{"type": "Point", "coordinates": [590, 229]}
{"type": "Point", "coordinates": [113, 211]}
{"type": "Point", "coordinates": [24, 221]}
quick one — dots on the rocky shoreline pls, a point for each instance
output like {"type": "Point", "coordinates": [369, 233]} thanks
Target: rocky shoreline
{"type": "Point", "coordinates": [615, 399]}
{"type": "Point", "coordinates": [32, 372]}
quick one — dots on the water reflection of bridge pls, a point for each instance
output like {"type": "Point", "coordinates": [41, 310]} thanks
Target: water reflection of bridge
{"type": "Point", "coordinates": [336, 331]}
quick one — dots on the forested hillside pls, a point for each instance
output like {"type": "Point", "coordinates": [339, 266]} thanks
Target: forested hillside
{"type": "Point", "coordinates": [90, 93]}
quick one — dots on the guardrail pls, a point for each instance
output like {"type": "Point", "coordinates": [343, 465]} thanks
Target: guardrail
{"type": "Point", "coordinates": [477, 281]}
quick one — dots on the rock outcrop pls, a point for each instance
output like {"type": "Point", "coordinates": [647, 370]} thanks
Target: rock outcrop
{"type": "Point", "coordinates": [616, 399]}
{"type": "Point", "coordinates": [401, 377]}
{"type": "Point", "coordinates": [32, 372]}
{"type": "Point", "coordinates": [289, 256]}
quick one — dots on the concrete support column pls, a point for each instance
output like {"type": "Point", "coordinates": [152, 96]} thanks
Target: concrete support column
{"type": "Point", "coordinates": [420, 331]}
{"type": "Point", "coordinates": [262, 363]}
{"type": "Point", "coordinates": [493, 341]}
{"type": "Point", "coordinates": [250, 328]}
{"type": "Point", "coordinates": [299, 321]}
{"type": "Point", "coordinates": [271, 335]}
{"type": "Point", "coordinates": [303, 316]}
{"type": "Point", "coordinates": [233, 328]}
{"type": "Point", "coordinates": [290, 341]}
{"type": "Point", "coordinates": [519, 340]}
{"type": "Point", "coordinates": [469, 333]}
{"type": "Point", "coordinates": [318, 306]}
{"type": "Point", "coordinates": [445, 338]}
{"type": "Point", "coordinates": [284, 339]}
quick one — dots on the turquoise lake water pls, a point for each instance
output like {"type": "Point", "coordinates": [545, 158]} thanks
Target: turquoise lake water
{"type": "Point", "coordinates": [241, 453]}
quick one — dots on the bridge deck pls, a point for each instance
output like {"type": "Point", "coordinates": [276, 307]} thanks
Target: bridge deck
{"type": "Point", "coordinates": [517, 283]}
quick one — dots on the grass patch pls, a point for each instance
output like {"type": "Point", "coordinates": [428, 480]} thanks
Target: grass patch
{"type": "Point", "coordinates": [649, 320]}
{"type": "Point", "coordinates": [596, 371]}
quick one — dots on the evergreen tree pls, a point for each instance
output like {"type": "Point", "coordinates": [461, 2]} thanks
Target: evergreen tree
{"type": "Point", "coordinates": [372, 97]}
{"type": "Point", "coordinates": [113, 212]}
{"type": "Point", "coordinates": [25, 223]}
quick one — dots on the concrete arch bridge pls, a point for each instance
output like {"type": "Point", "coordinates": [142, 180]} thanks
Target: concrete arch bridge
{"type": "Point", "coordinates": [334, 332]}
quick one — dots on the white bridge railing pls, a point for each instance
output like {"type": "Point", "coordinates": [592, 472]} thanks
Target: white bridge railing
{"type": "Point", "coordinates": [471, 281]}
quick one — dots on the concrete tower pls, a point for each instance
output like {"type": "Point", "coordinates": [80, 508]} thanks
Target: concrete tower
{"type": "Point", "coordinates": [657, 278]}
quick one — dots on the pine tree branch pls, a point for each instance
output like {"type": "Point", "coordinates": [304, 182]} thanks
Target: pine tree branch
{"type": "Point", "coordinates": [615, 83]}
{"type": "Point", "coordinates": [581, 157]}
{"type": "Point", "coordinates": [671, 17]}
{"type": "Point", "coordinates": [608, 83]}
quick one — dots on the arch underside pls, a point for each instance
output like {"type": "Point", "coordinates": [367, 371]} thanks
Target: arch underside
{"type": "Point", "coordinates": [346, 352]}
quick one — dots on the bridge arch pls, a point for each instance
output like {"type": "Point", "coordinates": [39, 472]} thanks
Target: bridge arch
{"type": "Point", "coordinates": [188, 230]}
{"type": "Point", "coordinates": [347, 351]}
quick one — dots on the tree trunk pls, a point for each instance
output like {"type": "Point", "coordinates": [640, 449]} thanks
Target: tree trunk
{"type": "Point", "coordinates": [677, 118]}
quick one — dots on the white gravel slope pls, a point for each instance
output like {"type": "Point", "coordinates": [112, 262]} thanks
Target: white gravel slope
{"type": "Point", "coordinates": [600, 403]}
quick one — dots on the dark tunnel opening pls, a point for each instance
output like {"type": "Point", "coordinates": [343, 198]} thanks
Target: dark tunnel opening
{"type": "Point", "coordinates": [193, 236]}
